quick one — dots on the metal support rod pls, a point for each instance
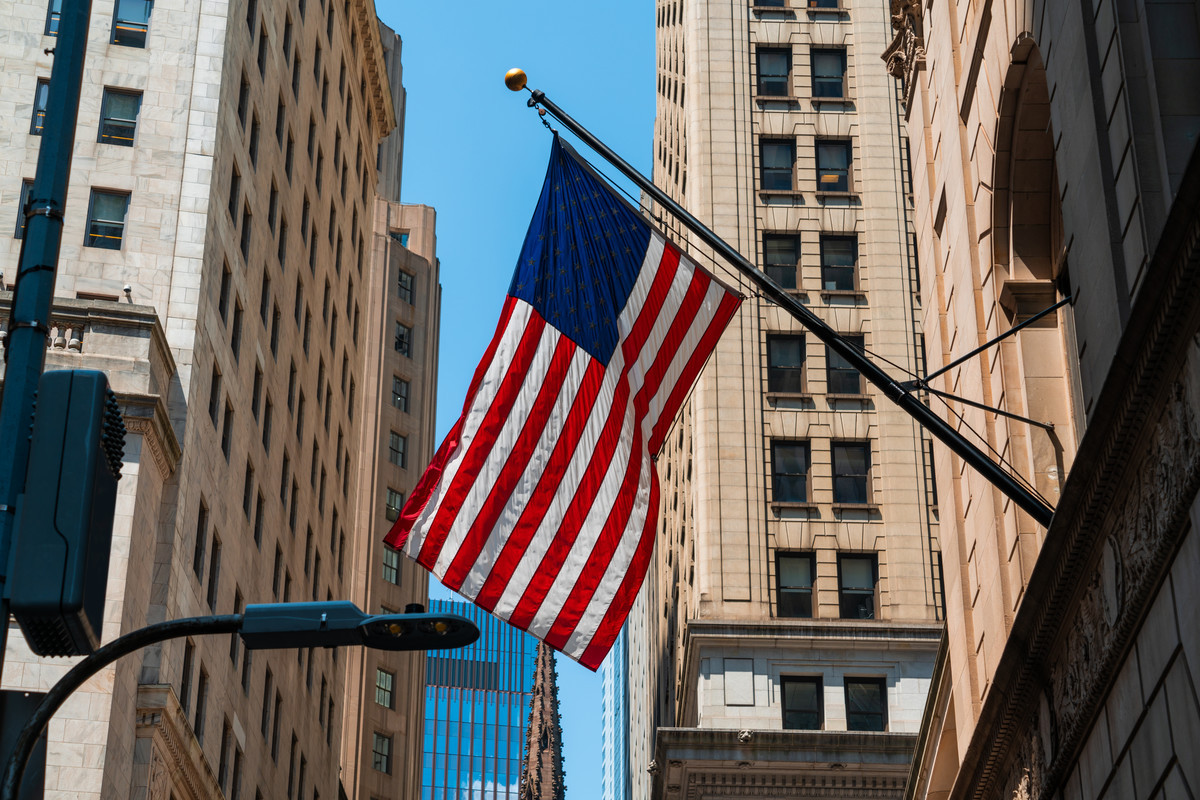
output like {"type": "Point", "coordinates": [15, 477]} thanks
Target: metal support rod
{"type": "Point", "coordinates": [1044, 425]}
{"type": "Point", "coordinates": [925, 381]}
{"type": "Point", "coordinates": [924, 416]}
{"type": "Point", "coordinates": [29, 316]}
{"type": "Point", "coordinates": [14, 769]}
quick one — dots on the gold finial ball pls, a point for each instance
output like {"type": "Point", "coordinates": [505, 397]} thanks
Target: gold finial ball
{"type": "Point", "coordinates": [515, 79]}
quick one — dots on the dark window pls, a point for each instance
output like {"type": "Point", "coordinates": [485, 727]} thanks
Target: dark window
{"type": "Point", "coordinates": [851, 472]}
{"type": "Point", "coordinates": [185, 683]}
{"type": "Point", "coordinates": [287, 37]}
{"type": "Point", "coordinates": [404, 286]}
{"type": "Point", "coordinates": [214, 573]}
{"type": "Point", "coordinates": [789, 471]}
{"type": "Point", "coordinates": [244, 244]}
{"type": "Point", "coordinates": [395, 501]}
{"type": "Point", "coordinates": [279, 121]}
{"type": "Point", "coordinates": [264, 724]}
{"type": "Point", "coordinates": [248, 489]}
{"type": "Point", "coordinates": [794, 578]}
{"type": "Point", "coordinates": [778, 159]}
{"type": "Point", "coordinates": [198, 547]}
{"type": "Point", "coordinates": [53, 15]}
{"type": "Point", "coordinates": [785, 363]}
{"type": "Point", "coordinates": [866, 704]}
{"type": "Point", "coordinates": [391, 565]}
{"type": "Point", "coordinates": [403, 340]}
{"type": "Point", "coordinates": [828, 73]}
{"type": "Point", "coordinates": [296, 75]}
{"type": "Point", "coordinates": [227, 430]}
{"type": "Point", "coordinates": [258, 520]}
{"type": "Point", "coordinates": [26, 188]}
{"type": "Point", "coordinates": [41, 95]}
{"type": "Point", "coordinates": [276, 316]}
{"type": "Point", "coordinates": [774, 72]}
{"type": "Point", "coordinates": [840, 377]}
{"type": "Point", "coordinates": [400, 389]}
{"type": "Point", "coordinates": [131, 21]}
{"type": "Point", "coordinates": [273, 208]}
{"type": "Point", "coordinates": [235, 189]}
{"type": "Point", "coordinates": [781, 258]}
{"type": "Point", "coordinates": [290, 158]}
{"type": "Point", "coordinates": [264, 302]}
{"type": "Point", "coordinates": [251, 16]}
{"type": "Point", "coordinates": [214, 396]}
{"type": "Point", "coordinates": [243, 106]}
{"type": "Point", "coordinates": [381, 753]}
{"type": "Point", "coordinates": [118, 116]}
{"type": "Point", "coordinates": [201, 705]}
{"type": "Point", "coordinates": [106, 219]}
{"type": "Point", "coordinates": [262, 55]}
{"type": "Point", "coordinates": [857, 575]}
{"type": "Point", "coordinates": [839, 255]}
{"type": "Point", "coordinates": [833, 166]}
{"type": "Point", "coordinates": [253, 149]}
{"type": "Point", "coordinates": [235, 335]}
{"type": "Point", "coordinates": [801, 704]}
{"type": "Point", "coordinates": [268, 416]}
{"type": "Point", "coordinates": [398, 450]}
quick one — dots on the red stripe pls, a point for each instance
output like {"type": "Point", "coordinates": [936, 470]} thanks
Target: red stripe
{"type": "Point", "coordinates": [514, 466]}
{"type": "Point", "coordinates": [419, 498]}
{"type": "Point", "coordinates": [725, 311]}
{"type": "Point", "coordinates": [482, 441]}
{"type": "Point", "coordinates": [523, 531]}
{"type": "Point", "coordinates": [585, 495]}
{"type": "Point", "coordinates": [618, 609]}
{"type": "Point", "coordinates": [610, 537]}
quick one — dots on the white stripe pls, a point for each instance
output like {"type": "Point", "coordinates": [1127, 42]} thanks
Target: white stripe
{"type": "Point", "coordinates": [480, 403]}
{"type": "Point", "coordinates": [580, 459]}
{"type": "Point", "coordinates": [606, 495]}
{"type": "Point", "coordinates": [501, 447]}
{"type": "Point", "coordinates": [523, 489]}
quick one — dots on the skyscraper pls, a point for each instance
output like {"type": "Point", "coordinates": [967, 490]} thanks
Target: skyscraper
{"type": "Point", "coordinates": [477, 710]}
{"type": "Point", "coordinates": [614, 717]}
{"type": "Point", "coordinates": [794, 613]}
{"type": "Point", "coordinates": [215, 264]}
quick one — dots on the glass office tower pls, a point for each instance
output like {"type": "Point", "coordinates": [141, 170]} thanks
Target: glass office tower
{"type": "Point", "coordinates": [476, 710]}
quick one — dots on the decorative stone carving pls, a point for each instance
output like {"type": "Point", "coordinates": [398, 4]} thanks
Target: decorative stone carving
{"type": "Point", "coordinates": [745, 736]}
{"type": "Point", "coordinates": [906, 54]}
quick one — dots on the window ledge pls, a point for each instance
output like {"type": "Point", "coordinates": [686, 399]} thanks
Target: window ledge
{"type": "Point", "coordinates": [856, 293]}
{"type": "Point", "coordinates": [837, 195]}
{"type": "Point", "coordinates": [790, 99]}
{"type": "Point", "coordinates": [840, 101]}
{"type": "Point", "coordinates": [840, 11]}
{"type": "Point", "coordinates": [795, 193]}
{"type": "Point", "coordinates": [779, 505]}
{"type": "Point", "coordinates": [789, 396]}
{"type": "Point", "coordinates": [760, 10]}
{"type": "Point", "coordinates": [836, 396]}
{"type": "Point", "coordinates": [869, 507]}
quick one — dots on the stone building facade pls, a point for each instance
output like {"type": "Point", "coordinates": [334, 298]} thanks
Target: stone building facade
{"type": "Point", "coordinates": [794, 609]}
{"type": "Point", "coordinates": [543, 777]}
{"type": "Point", "coordinates": [219, 263]}
{"type": "Point", "coordinates": [1054, 148]}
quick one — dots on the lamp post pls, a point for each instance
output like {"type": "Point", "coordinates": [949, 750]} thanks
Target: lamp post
{"type": "Point", "coordinates": [269, 626]}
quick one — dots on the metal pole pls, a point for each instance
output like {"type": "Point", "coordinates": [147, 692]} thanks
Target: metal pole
{"type": "Point", "coordinates": [14, 769]}
{"type": "Point", "coordinates": [29, 317]}
{"type": "Point", "coordinates": [894, 391]}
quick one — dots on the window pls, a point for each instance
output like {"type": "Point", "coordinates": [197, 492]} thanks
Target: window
{"type": "Point", "coordinates": [384, 681]}
{"type": "Point", "coordinates": [774, 72]}
{"type": "Point", "coordinates": [296, 75]}
{"type": "Point", "coordinates": [785, 363]}
{"type": "Point", "coordinates": [251, 16]}
{"type": "Point", "coordinates": [789, 475]}
{"type": "Point", "coordinates": [840, 377]}
{"type": "Point", "coordinates": [227, 430]}
{"type": "Point", "coordinates": [264, 302]}
{"type": "Point", "coordinates": [400, 389]}
{"type": "Point", "coordinates": [857, 575]}
{"type": "Point", "coordinates": [199, 546]}
{"type": "Point", "coordinates": [278, 715]}
{"type": "Point", "coordinates": [381, 753]}
{"type": "Point", "coordinates": [253, 148]}
{"type": "Point", "coordinates": [403, 340]}
{"type": "Point", "coordinates": [391, 566]}
{"type": "Point", "coordinates": [248, 489]}
{"type": "Point", "coordinates": [246, 661]}
{"type": "Point", "coordinates": [276, 316]}
{"type": "Point", "coordinates": [273, 208]}
{"type": "Point", "coordinates": [839, 254]}
{"type": "Point", "coordinates": [185, 682]}
{"type": "Point", "coordinates": [118, 116]}
{"type": "Point", "coordinates": [851, 472]}
{"type": "Point", "coordinates": [794, 580]}
{"type": "Point", "coordinates": [828, 73]}
{"type": "Point", "coordinates": [398, 450]}
{"type": "Point", "coordinates": [223, 758]}
{"type": "Point", "coordinates": [201, 705]}
{"type": "Point", "coordinates": [243, 105]}
{"type": "Point", "coordinates": [268, 418]}
{"type": "Point", "coordinates": [778, 158]}
{"type": "Point", "coordinates": [262, 55]}
{"type": "Point", "coordinates": [214, 573]}
{"type": "Point", "coordinates": [258, 520]}
{"type": "Point", "coordinates": [395, 502]}
{"type": "Point", "coordinates": [41, 94]}
{"type": "Point", "coordinates": [235, 335]}
{"type": "Point", "coordinates": [405, 286]}
{"type": "Point", "coordinates": [235, 190]}
{"type": "Point", "coordinates": [131, 20]}
{"type": "Point", "coordinates": [264, 724]}
{"type": "Point", "coordinates": [106, 219]}
{"type": "Point", "coordinates": [801, 704]}
{"type": "Point", "coordinates": [277, 574]}
{"type": "Point", "coordinates": [214, 395]}
{"type": "Point", "coordinates": [866, 704]}
{"type": "Point", "coordinates": [781, 258]}
{"type": "Point", "coordinates": [288, 160]}
{"type": "Point", "coordinates": [244, 244]}
{"type": "Point", "coordinates": [26, 188]}
{"type": "Point", "coordinates": [53, 15]}
{"type": "Point", "coordinates": [833, 166]}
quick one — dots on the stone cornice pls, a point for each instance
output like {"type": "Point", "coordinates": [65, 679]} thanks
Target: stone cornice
{"type": "Point", "coordinates": [182, 766]}
{"type": "Point", "coordinates": [377, 79]}
{"type": "Point", "coordinates": [906, 53]}
{"type": "Point", "coordinates": [146, 415]}
{"type": "Point", "coordinates": [1122, 515]}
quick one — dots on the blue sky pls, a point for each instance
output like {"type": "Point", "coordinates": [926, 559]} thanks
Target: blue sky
{"type": "Point", "coordinates": [477, 154]}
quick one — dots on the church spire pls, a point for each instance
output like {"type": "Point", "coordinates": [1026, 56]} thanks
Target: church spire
{"type": "Point", "coordinates": [542, 778]}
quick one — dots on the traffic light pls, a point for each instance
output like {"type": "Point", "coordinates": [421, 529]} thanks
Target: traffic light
{"type": "Point", "coordinates": [63, 526]}
{"type": "Point", "coordinates": [340, 622]}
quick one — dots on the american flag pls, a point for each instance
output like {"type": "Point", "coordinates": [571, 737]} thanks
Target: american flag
{"type": "Point", "coordinates": [542, 502]}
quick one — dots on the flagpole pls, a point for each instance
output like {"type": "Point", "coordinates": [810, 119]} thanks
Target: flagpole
{"type": "Point", "coordinates": [894, 391]}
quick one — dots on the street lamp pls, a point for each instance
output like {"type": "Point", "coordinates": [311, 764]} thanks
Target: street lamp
{"type": "Point", "coordinates": [270, 626]}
